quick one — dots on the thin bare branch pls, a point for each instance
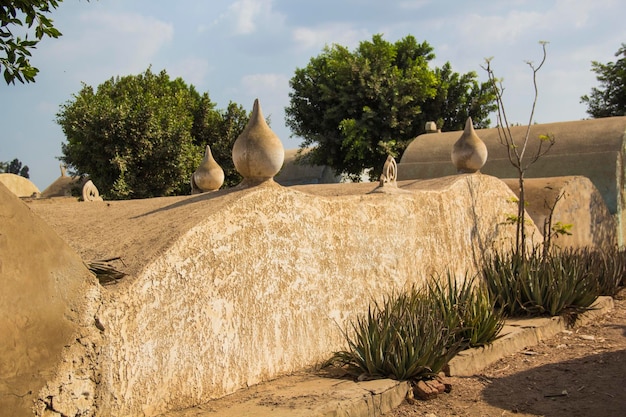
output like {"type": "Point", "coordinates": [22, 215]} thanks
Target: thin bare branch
{"type": "Point", "coordinates": [514, 152]}
{"type": "Point", "coordinates": [534, 105]}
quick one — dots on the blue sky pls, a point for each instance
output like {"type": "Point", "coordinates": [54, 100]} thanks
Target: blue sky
{"type": "Point", "coordinates": [239, 50]}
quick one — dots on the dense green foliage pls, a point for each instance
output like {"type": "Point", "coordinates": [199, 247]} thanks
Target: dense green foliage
{"type": "Point", "coordinates": [610, 98]}
{"type": "Point", "coordinates": [15, 167]}
{"type": "Point", "coordinates": [15, 51]}
{"type": "Point", "coordinates": [457, 97]}
{"type": "Point", "coordinates": [143, 136]}
{"type": "Point", "coordinates": [356, 108]}
{"type": "Point", "coordinates": [413, 335]}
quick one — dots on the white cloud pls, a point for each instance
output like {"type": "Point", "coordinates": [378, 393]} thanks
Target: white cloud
{"type": "Point", "coordinates": [333, 33]}
{"type": "Point", "coordinates": [266, 84]}
{"type": "Point", "coordinates": [559, 17]}
{"type": "Point", "coordinates": [110, 43]}
{"type": "Point", "coordinates": [246, 12]}
{"type": "Point", "coordinates": [502, 29]}
{"type": "Point", "coordinates": [250, 14]}
{"type": "Point", "coordinates": [193, 70]}
{"type": "Point", "coordinates": [413, 4]}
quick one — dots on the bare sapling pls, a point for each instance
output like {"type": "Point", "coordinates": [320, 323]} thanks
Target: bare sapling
{"type": "Point", "coordinates": [517, 148]}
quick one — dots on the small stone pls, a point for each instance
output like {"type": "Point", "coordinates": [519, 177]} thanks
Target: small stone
{"type": "Point", "coordinates": [587, 337]}
{"type": "Point", "coordinates": [447, 387]}
{"type": "Point", "coordinates": [436, 385]}
{"type": "Point", "coordinates": [423, 391]}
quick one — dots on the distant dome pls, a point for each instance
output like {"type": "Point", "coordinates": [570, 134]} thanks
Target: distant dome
{"type": "Point", "coordinates": [18, 185]}
{"type": "Point", "coordinates": [62, 187]}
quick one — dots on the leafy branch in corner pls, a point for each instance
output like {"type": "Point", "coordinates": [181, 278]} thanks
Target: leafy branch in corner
{"type": "Point", "coordinates": [15, 51]}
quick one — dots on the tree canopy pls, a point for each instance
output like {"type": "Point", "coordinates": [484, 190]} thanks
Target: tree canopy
{"type": "Point", "coordinates": [15, 167]}
{"type": "Point", "coordinates": [143, 135]}
{"type": "Point", "coordinates": [15, 50]}
{"type": "Point", "coordinates": [356, 108]}
{"type": "Point", "coordinates": [610, 98]}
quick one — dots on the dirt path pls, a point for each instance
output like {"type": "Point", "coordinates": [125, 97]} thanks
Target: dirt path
{"type": "Point", "coordinates": [577, 373]}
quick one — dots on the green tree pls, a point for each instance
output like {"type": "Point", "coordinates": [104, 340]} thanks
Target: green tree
{"type": "Point", "coordinates": [14, 50]}
{"type": "Point", "coordinates": [458, 96]}
{"type": "Point", "coordinates": [355, 108]}
{"type": "Point", "coordinates": [610, 98]}
{"type": "Point", "coordinates": [15, 167]}
{"type": "Point", "coordinates": [143, 135]}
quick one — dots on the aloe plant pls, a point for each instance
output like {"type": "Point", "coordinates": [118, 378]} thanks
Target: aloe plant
{"type": "Point", "coordinates": [542, 284]}
{"type": "Point", "coordinates": [607, 265]}
{"type": "Point", "coordinates": [413, 335]}
{"type": "Point", "coordinates": [400, 339]}
{"type": "Point", "coordinates": [469, 306]}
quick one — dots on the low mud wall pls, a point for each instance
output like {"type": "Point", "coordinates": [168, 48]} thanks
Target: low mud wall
{"type": "Point", "coordinates": [593, 148]}
{"type": "Point", "coordinates": [579, 205]}
{"type": "Point", "coordinates": [48, 302]}
{"type": "Point", "coordinates": [233, 288]}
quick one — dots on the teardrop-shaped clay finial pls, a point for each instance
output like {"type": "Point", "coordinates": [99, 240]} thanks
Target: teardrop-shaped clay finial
{"type": "Point", "coordinates": [469, 153]}
{"type": "Point", "coordinates": [258, 153]}
{"type": "Point", "coordinates": [209, 176]}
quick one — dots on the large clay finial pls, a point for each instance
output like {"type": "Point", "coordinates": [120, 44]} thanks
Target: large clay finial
{"type": "Point", "coordinates": [90, 192]}
{"type": "Point", "coordinates": [209, 176]}
{"type": "Point", "coordinates": [258, 153]}
{"type": "Point", "coordinates": [469, 153]}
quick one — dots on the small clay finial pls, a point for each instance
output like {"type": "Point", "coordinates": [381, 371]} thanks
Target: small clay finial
{"type": "Point", "coordinates": [390, 173]}
{"type": "Point", "coordinates": [258, 153]}
{"type": "Point", "coordinates": [90, 192]}
{"type": "Point", "coordinates": [430, 127]}
{"type": "Point", "coordinates": [209, 176]}
{"type": "Point", "coordinates": [63, 169]}
{"type": "Point", "coordinates": [469, 153]}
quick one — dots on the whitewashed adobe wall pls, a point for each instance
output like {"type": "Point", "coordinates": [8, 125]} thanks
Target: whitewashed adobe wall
{"type": "Point", "coordinates": [262, 287]}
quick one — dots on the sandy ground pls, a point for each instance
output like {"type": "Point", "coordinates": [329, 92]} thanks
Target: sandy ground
{"type": "Point", "coordinates": [577, 373]}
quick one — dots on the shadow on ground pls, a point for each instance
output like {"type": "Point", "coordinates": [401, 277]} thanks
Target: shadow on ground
{"type": "Point", "coordinates": [593, 385]}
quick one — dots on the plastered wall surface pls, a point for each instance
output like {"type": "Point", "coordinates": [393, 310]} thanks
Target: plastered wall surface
{"type": "Point", "coordinates": [263, 287]}
{"type": "Point", "coordinates": [232, 288]}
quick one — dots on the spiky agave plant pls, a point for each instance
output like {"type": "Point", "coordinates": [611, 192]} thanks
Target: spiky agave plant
{"type": "Point", "coordinates": [400, 339]}
{"type": "Point", "coordinates": [542, 284]}
{"type": "Point", "coordinates": [501, 274]}
{"type": "Point", "coordinates": [468, 305]}
{"type": "Point", "coordinates": [607, 265]}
